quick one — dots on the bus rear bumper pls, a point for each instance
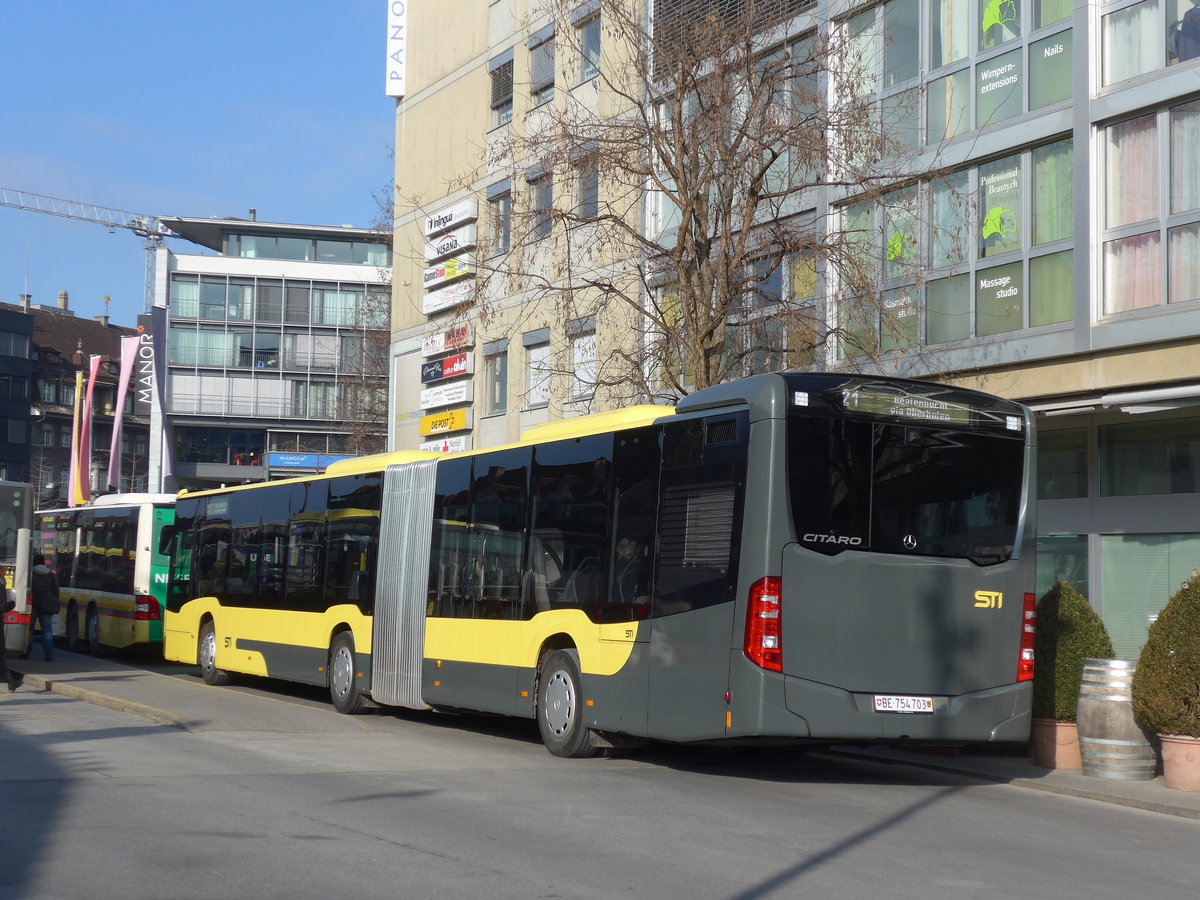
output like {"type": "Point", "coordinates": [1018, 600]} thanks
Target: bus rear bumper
{"type": "Point", "coordinates": [998, 714]}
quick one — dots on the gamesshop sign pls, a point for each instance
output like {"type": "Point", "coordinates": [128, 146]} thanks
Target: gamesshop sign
{"type": "Point", "coordinates": [450, 367]}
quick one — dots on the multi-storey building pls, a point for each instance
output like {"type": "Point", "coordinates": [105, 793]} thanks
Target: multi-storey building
{"type": "Point", "coordinates": [1053, 253]}
{"type": "Point", "coordinates": [42, 348]}
{"type": "Point", "coordinates": [274, 358]}
{"type": "Point", "coordinates": [16, 380]}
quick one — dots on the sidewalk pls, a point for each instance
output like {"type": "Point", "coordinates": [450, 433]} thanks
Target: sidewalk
{"type": "Point", "coordinates": [183, 701]}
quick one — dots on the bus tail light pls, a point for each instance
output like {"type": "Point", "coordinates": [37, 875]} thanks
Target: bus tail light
{"type": "Point", "coordinates": [1028, 632]}
{"type": "Point", "coordinates": [146, 609]}
{"type": "Point", "coordinates": [764, 635]}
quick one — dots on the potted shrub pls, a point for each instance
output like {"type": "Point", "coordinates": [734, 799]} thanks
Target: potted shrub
{"type": "Point", "coordinates": [1166, 686]}
{"type": "Point", "coordinates": [1068, 632]}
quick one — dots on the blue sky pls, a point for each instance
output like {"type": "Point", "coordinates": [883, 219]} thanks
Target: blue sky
{"type": "Point", "coordinates": [182, 109]}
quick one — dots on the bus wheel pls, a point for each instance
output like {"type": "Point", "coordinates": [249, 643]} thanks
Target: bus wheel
{"type": "Point", "coordinates": [343, 685]}
{"type": "Point", "coordinates": [72, 628]}
{"type": "Point", "coordinates": [560, 718]}
{"type": "Point", "coordinates": [206, 656]}
{"type": "Point", "coordinates": [91, 630]}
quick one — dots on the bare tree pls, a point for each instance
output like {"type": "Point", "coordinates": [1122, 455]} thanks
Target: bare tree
{"type": "Point", "coordinates": [364, 400]}
{"type": "Point", "coordinates": [681, 196]}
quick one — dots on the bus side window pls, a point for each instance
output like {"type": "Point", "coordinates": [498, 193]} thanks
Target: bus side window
{"type": "Point", "coordinates": [572, 484]}
{"type": "Point", "coordinates": [452, 491]}
{"type": "Point", "coordinates": [637, 455]}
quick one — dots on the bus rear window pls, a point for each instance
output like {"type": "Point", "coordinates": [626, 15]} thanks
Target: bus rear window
{"type": "Point", "coordinates": [897, 488]}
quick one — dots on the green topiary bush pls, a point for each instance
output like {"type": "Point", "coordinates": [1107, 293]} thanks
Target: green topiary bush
{"type": "Point", "coordinates": [1166, 685]}
{"type": "Point", "coordinates": [1068, 632]}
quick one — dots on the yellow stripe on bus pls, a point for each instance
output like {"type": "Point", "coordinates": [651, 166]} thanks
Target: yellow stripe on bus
{"type": "Point", "coordinates": [603, 649]}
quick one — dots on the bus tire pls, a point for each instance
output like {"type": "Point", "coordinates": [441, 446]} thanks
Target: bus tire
{"type": "Point", "coordinates": [343, 684]}
{"type": "Point", "coordinates": [206, 656]}
{"type": "Point", "coordinates": [71, 627]}
{"type": "Point", "coordinates": [91, 631]}
{"type": "Point", "coordinates": [559, 707]}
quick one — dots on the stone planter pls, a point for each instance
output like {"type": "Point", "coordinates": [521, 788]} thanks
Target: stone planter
{"type": "Point", "coordinates": [1181, 761]}
{"type": "Point", "coordinates": [1055, 744]}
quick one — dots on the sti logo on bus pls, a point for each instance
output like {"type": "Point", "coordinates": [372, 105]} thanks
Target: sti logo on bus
{"type": "Point", "coordinates": [831, 539]}
{"type": "Point", "coordinates": [989, 600]}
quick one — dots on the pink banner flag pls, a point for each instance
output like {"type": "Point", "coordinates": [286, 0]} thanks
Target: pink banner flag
{"type": "Point", "coordinates": [73, 496]}
{"type": "Point", "coordinates": [129, 349]}
{"type": "Point", "coordinates": [85, 433]}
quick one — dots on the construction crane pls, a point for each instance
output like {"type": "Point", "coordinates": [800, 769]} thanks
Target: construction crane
{"type": "Point", "coordinates": [147, 227]}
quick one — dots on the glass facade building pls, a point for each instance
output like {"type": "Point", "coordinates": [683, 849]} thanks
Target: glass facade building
{"type": "Point", "coordinates": [272, 350]}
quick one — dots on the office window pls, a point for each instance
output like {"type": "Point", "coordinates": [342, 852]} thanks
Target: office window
{"type": "Point", "coordinates": [1132, 171]}
{"type": "Point", "coordinates": [541, 70]}
{"type": "Point", "coordinates": [999, 22]}
{"type": "Point", "coordinates": [948, 308]}
{"type": "Point", "coordinates": [1051, 69]}
{"type": "Point", "coordinates": [1052, 288]}
{"type": "Point", "coordinates": [495, 377]}
{"type": "Point", "coordinates": [1133, 41]}
{"type": "Point", "coordinates": [500, 220]}
{"type": "Point", "coordinates": [541, 203]}
{"type": "Point", "coordinates": [588, 187]}
{"type": "Point", "coordinates": [581, 340]}
{"type": "Point", "coordinates": [948, 107]}
{"type": "Point", "coordinates": [589, 44]}
{"type": "Point", "coordinates": [185, 297]}
{"type": "Point", "coordinates": [1047, 12]}
{"type": "Point", "coordinates": [1142, 458]}
{"type": "Point", "coordinates": [999, 89]}
{"type": "Point", "coordinates": [1053, 192]}
{"type": "Point", "coordinates": [213, 290]}
{"type": "Point", "coordinates": [537, 367]}
{"type": "Point", "coordinates": [1000, 206]}
{"type": "Point", "coordinates": [502, 92]}
{"type": "Point", "coordinates": [15, 345]}
{"type": "Point", "coordinates": [950, 37]}
{"type": "Point", "coordinates": [1185, 153]}
{"type": "Point", "coordinates": [999, 299]}
{"type": "Point", "coordinates": [950, 207]}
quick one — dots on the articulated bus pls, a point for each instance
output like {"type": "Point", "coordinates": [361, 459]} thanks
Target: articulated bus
{"type": "Point", "coordinates": [16, 520]}
{"type": "Point", "coordinates": [112, 568]}
{"type": "Point", "coordinates": [790, 556]}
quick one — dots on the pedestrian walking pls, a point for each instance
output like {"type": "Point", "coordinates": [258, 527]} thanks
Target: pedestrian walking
{"type": "Point", "coordinates": [43, 589]}
{"type": "Point", "coordinates": [14, 679]}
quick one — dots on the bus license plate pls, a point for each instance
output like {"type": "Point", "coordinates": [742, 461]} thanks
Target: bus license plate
{"type": "Point", "coordinates": [892, 703]}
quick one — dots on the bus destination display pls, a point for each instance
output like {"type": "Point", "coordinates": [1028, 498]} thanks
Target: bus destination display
{"type": "Point", "coordinates": [906, 406]}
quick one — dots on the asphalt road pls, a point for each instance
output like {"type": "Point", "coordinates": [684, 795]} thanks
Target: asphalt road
{"type": "Point", "coordinates": [301, 802]}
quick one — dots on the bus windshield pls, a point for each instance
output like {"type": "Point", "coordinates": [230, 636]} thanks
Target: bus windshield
{"type": "Point", "coordinates": [901, 488]}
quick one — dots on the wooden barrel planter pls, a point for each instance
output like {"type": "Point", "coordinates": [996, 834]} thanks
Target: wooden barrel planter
{"type": "Point", "coordinates": [1111, 742]}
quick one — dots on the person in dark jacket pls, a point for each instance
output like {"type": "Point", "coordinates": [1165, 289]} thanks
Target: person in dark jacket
{"type": "Point", "coordinates": [43, 590]}
{"type": "Point", "coordinates": [1188, 41]}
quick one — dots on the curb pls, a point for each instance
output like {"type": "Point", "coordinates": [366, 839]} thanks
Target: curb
{"type": "Point", "coordinates": [1032, 785]}
{"type": "Point", "coordinates": [67, 689]}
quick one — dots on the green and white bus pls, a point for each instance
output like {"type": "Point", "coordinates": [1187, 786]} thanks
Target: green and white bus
{"type": "Point", "coordinates": [785, 557]}
{"type": "Point", "coordinates": [112, 568]}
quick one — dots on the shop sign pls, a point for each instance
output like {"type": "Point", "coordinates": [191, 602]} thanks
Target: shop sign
{"type": "Point", "coordinates": [447, 297]}
{"type": "Point", "coordinates": [452, 216]}
{"type": "Point", "coordinates": [449, 270]}
{"type": "Point", "coordinates": [450, 243]}
{"type": "Point", "coordinates": [449, 367]}
{"type": "Point", "coordinates": [444, 341]}
{"type": "Point", "coordinates": [457, 444]}
{"type": "Point", "coordinates": [450, 420]}
{"type": "Point", "coordinates": [447, 395]}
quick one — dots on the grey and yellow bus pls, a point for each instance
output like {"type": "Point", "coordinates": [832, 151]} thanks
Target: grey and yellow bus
{"type": "Point", "coordinates": [789, 556]}
{"type": "Point", "coordinates": [110, 558]}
